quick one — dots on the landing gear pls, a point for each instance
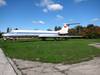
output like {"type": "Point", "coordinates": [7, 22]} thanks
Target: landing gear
{"type": "Point", "coordinates": [60, 38]}
{"type": "Point", "coordinates": [43, 38]}
{"type": "Point", "coordinates": [62, 34]}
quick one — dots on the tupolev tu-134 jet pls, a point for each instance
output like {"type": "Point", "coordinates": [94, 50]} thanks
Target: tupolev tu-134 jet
{"type": "Point", "coordinates": [39, 33]}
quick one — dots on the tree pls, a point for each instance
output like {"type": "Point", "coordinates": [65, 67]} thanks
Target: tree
{"type": "Point", "coordinates": [8, 30]}
{"type": "Point", "coordinates": [79, 29]}
{"type": "Point", "coordinates": [72, 32]}
{"type": "Point", "coordinates": [49, 29]}
{"type": "Point", "coordinates": [90, 26]}
{"type": "Point", "coordinates": [16, 29]}
{"type": "Point", "coordinates": [0, 34]}
{"type": "Point", "coordinates": [91, 31]}
{"type": "Point", "coordinates": [57, 28]}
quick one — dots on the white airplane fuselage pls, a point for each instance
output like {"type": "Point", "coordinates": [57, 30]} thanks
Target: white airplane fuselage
{"type": "Point", "coordinates": [36, 33]}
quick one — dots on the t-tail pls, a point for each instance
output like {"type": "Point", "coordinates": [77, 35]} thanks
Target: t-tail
{"type": "Point", "coordinates": [64, 29]}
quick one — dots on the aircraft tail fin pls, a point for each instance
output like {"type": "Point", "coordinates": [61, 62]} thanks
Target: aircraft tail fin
{"type": "Point", "coordinates": [64, 29]}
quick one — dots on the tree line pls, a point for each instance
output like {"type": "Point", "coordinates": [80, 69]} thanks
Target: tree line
{"type": "Point", "coordinates": [90, 31]}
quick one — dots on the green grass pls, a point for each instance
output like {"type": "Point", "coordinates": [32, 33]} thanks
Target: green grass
{"type": "Point", "coordinates": [66, 51]}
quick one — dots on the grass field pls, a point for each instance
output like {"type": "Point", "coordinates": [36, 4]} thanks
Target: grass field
{"type": "Point", "coordinates": [66, 51]}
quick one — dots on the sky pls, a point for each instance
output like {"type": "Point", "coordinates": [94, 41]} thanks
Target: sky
{"type": "Point", "coordinates": [46, 14]}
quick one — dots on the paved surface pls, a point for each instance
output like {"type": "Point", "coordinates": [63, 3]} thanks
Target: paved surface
{"type": "Point", "coordinates": [5, 67]}
{"type": "Point", "coordinates": [37, 68]}
{"type": "Point", "coordinates": [97, 45]}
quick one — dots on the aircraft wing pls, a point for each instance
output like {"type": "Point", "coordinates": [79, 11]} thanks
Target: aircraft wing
{"type": "Point", "coordinates": [57, 36]}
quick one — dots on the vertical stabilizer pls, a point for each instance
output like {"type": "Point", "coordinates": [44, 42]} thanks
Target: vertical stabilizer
{"type": "Point", "coordinates": [64, 29]}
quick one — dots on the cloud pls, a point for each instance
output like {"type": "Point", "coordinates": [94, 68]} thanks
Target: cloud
{"type": "Point", "coordinates": [38, 22]}
{"type": "Point", "coordinates": [45, 10]}
{"type": "Point", "coordinates": [59, 17]}
{"type": "Point", "coordinates": [79, 1]}
{"type": "Point", "coordinates": [45, 3]}
{"type": "Point", "coordinates": [50, 5]}
{"type": "Point", "coordinates": [71, 20]}
{"type": "Point", "coordinates": [95, 20]}
{"type": "Point", "coordinates": [2, 3]}
{"type": "Point", "coordinates": [55, 7]}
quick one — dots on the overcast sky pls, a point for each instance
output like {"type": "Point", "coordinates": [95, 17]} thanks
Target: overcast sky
{"type": "Point", "coordinates": [44, 14]}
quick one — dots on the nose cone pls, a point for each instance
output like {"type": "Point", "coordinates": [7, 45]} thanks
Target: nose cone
{"type": "Point", "coordinates": [4, 34]}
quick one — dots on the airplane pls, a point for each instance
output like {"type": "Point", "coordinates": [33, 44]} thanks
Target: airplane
{"type": "Point", "coordinates": [15, 34]}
